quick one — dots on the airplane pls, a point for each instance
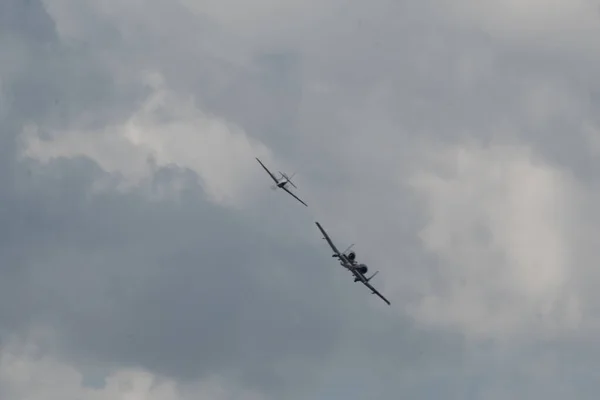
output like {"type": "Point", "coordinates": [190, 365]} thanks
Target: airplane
{"type": "Point", "coordinates": [349, 262]}
{"type": "Point", "coordinates": [282, 182]}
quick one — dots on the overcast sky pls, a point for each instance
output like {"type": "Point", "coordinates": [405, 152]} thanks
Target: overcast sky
{"type": "Point", "coordinates": [143, 255]}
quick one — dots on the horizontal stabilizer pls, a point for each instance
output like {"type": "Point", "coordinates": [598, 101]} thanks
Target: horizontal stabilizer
{"type": "Point", "coordinates": [289, 179]}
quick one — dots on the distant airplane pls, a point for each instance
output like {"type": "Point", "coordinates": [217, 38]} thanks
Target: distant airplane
{"type": "Point", "coordinates": [349, 262]}
{"type": "Point", "coordinates": [282, 182]}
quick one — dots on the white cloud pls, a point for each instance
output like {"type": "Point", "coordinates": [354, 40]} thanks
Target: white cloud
{"type": "Point", "coordinates": [261, 23]}
{"type": "Point", "coordinates": [592, 136]}
{"type": "Point", "coordinates": [165, 130]}
{"type": "Point", "coordinates": [243, 15]}
{"type": "Point", "coordinates": [512, 256]}
{"type": "Point", "coordinates": [26, 372]}
{"type": "Point", "coordinates": [498, 219]}
{"type": "Point", "coordinates": [3, 105]}
{"type": "Point", "coordinates": [555, 22]}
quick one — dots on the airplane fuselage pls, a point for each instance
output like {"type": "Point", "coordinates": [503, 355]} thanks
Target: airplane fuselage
{"type": "Point", "coordinates": [359, 270]}
{"type": "Point", "coordinates": [281, 183]}
{"type": "Point", "coordinates": [349, 262]}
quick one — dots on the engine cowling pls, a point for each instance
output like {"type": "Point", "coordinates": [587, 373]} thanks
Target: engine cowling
{"type": "Point", "coordinates": [352, 256]}
{"type": "Point", "coordinates": [362, 268]}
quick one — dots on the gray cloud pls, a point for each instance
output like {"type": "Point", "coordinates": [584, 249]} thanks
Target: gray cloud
{"type": "Point", "coordinates": [173, 288]}
{"type": "Point", "coordinates": [376, 105]}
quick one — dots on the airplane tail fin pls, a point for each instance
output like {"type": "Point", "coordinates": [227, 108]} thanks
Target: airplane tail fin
{"type": "Point", "coordinates": [289, 178]}
{"type": "Point", "coordinates": [371, 277]}
{"type": "Point", "coordinates": [348, 248]}
{"type": "Point", "coordinates": [345, 253]}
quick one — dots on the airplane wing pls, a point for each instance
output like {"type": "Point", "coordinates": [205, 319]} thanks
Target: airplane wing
{"type": "Point", "coordinates": [293, 195]}
{"type": "Point", "coordinates": [268, 172]}
{"type": "Point", "coordinates": [374, 291]}
{"type": "Point", "coordinates": [335, 250]}
{"type": "Point", "coordinates": [342, 257]}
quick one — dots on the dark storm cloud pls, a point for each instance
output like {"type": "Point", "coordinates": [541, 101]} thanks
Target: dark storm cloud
{"type": "Point", "coordinates": [182, 289]}
{"type": "Point", "coordinates": [188, 288]}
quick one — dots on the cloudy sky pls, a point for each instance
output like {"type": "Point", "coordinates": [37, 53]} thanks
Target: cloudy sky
{"type": "Point", "coordinates": [143, 256]}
